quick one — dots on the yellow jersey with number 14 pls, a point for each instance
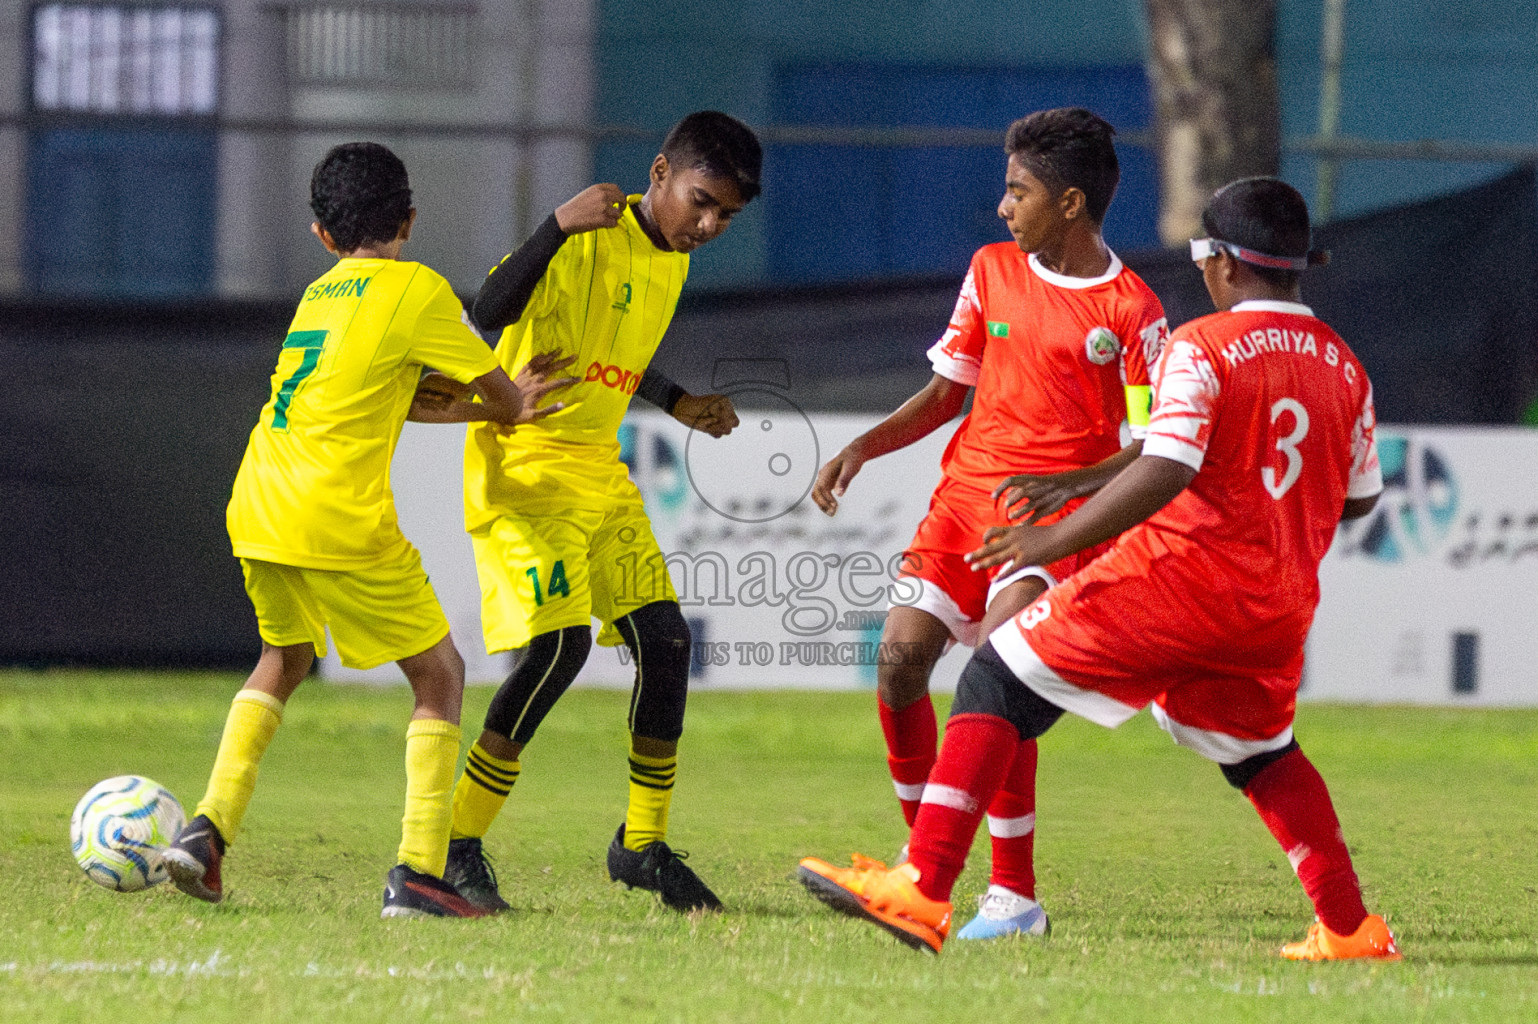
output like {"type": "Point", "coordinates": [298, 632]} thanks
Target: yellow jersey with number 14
{"type": "Point", "coordinates": [607, 298]}
{"type": "Point", "coordinates": [314, 487]}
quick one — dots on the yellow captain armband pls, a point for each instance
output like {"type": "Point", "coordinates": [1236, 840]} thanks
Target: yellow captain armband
{"type": "Point", "coordinates": [1139, 404]}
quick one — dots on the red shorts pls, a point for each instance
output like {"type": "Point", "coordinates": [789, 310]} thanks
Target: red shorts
{"type": "Point", "coordinates": [959, 515]}
{"type": "Point", "coordinates": [1221, 673]}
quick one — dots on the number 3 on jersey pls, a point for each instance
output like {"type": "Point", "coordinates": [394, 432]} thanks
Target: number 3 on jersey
{"type": "Point", "coordinates": [1288, 446]}
{"type": "Point", "coordinates": [311, 343]}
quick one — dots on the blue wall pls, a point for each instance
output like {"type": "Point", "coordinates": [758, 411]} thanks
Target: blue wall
{"type": "Point", "coordinates": [1462, 70]}
{"type": "Point", "coordinates": [1449, 69]}
{"type": "Point", "coordinates": [660, 59]}
{"type": "Point", "coordinates": [114, 210]}
{"type": "Point", "coordinates": [836, 213]}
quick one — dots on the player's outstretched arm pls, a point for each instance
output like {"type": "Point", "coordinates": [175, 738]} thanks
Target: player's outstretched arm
{"type": "Point", "coordinates": [507, 289]}
{"type": "Point", "coordinates": [1032, 496]}
{"type": "Point", "coordinates": [509, 401]}
{"type": "Point", "coordinates": [712, 414]}
{"type": "Point", "coordinates": [936, 404]}
{"type": "Point", "coordinates": [1136, 493]}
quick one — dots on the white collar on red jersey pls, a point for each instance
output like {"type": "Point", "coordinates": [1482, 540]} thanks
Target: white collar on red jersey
{"type": "Point", "coordinates": [1271, 306]}
{"type": "Point", "coordinates": [1064, 281]}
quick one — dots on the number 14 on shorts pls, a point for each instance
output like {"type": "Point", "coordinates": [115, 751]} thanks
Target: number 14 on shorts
{"type": "Point", "coordinates": [555, 588]}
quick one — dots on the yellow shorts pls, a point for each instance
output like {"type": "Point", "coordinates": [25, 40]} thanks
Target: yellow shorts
{"type": "Point", "coordinates": [379, 614]}
{"type": "Point", "coordinates": [540, 573]}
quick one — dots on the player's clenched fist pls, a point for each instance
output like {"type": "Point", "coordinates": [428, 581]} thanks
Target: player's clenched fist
{"type": "Point", "coordinates": [597, 206]}
{"type": "Point", "coordinates": [712, 414]}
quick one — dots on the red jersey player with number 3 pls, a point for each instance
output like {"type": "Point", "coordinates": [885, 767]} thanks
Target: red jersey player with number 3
{"type": "Point", "coordinates": [1260, 442]}
{"type": "Point", "coordinates": [1054, 337]}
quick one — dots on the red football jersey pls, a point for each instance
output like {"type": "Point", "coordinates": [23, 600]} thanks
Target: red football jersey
{"type": "Point", "coordinates": [1275, 413]}
{"type": "Point", "coordinates": [1059, 365]}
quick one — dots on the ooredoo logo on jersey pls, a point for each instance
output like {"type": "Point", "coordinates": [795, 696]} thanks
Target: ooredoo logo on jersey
{"type": "Point", "coordinates": [611, 376]}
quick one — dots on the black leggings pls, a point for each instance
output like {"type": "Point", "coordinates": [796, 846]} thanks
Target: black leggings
{"type": "Point", "coordinates": [658, 638]}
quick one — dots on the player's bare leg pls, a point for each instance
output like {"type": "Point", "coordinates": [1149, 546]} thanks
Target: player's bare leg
{"type": "Point", "coordinates": [415, 887]}
{"type": "Point", "coordinates": [280, 670]}
{"type": "Point", "coordinates": [911, 644]}
{"type": "Point", "coordinates": [194, 859]}
{"type": "Point", "coordinates": [437, 678]}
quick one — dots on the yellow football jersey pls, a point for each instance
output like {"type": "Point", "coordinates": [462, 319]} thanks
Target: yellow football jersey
{"type": "Point", "coordinates": [607, 298]}
{"type": "Point", "coordinates": [314, 487]}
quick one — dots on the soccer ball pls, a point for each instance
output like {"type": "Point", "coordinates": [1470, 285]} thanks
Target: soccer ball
{"type": "Point", "coordinates": [119, 829]}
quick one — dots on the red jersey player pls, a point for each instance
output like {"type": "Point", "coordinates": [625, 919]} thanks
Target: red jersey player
{"type": "Point", "coordinates": [1055, 336]}
{"type": "Point", "coordinates": [1261, 440]}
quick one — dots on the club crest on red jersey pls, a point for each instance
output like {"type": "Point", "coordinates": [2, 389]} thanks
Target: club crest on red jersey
{"type": "Point", "coordinates": [1101, 345]}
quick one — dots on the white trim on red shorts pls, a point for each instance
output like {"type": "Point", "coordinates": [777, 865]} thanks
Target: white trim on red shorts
{"type": "Point", "coordinates": [1013, 575]}
{"type": "Point", "coordinates": [1218, 746]}
{"type": "Point", "coordinates": [942, 606]}
{"type": "Point", "coordinates": [1034, 673]}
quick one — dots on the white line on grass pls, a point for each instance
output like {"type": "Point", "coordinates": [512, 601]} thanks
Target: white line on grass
{"type": "Point", "coordinates": [218, 965]}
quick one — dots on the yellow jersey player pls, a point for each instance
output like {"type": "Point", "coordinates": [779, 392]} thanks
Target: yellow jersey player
{"type": "Point", "coordinates": [313, 521]}
{"type": "Point", "coordinates": [558, 528]}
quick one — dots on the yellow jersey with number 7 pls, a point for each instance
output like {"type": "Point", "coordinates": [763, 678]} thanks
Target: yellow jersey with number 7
{"type": "Point", "coordinates": [314, 487]}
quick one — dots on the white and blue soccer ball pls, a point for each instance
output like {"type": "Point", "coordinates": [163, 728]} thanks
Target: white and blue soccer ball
{"type": "Point", "coordinates": [119, 829]}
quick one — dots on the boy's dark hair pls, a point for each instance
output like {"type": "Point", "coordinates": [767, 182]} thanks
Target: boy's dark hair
{"type": "Point", "coordinates": [360, 193]}
{"type": "Point", "coordinates": [720, 145]}
{"type": "Point", "coordinates": [1069, 147]}
{"type": "Point", "coordinates": [1265, 215]}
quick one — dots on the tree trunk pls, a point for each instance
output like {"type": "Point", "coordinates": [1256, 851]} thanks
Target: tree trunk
{"type": "Point", "coordinates": [1217, 114]}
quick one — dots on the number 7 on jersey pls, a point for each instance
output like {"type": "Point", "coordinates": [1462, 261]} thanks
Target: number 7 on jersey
{"type": "Point", "coordinates": [312, 342]}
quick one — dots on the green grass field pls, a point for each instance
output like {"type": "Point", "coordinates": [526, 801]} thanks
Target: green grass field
{"type": "Point", "coordinates": [1168, 897]}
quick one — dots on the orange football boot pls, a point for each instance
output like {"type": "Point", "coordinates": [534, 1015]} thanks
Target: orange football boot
{"type": "Point", "coordinates": [1371, 940]}
{"type": "Point", "coordinates": [888, 897]}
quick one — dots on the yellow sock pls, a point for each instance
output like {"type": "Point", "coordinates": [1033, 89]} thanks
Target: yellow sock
{"type": "Point", "coordinates": [432, 747]}
{"type": "Point", "coordinates": [651, 793]}
{"type": "Point", "coordinates": [481, 792]}
{"type": "Point", "coordinates": [254, 717]}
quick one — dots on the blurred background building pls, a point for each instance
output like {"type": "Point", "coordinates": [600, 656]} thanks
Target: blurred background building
{"type": "Point", "coordinates": [162, 149]}
{"type": "Point", "coordinates": [155, 158]}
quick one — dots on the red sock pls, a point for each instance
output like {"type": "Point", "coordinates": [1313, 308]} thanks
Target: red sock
{"type": "Point", "coordinates": [973, 761]}
{"type": "Point", "coordinates": [1012, 825]}
{"type": "Point", "coordinates": [1295, 805]}
{"type": "Point", "coordinates": [911, 736]}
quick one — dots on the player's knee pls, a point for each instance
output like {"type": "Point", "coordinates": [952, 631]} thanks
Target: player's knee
{"type": "Point", "coordinates": [988, 687]}
{"type": "Point", "coordinates": [1240, 775]}
{"type": "Point", "coordinates": [544, 670]}
{"type": "Point", "coordinates": [899, 684]}
{"type": "Point", "coordinates": [660, 643]}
